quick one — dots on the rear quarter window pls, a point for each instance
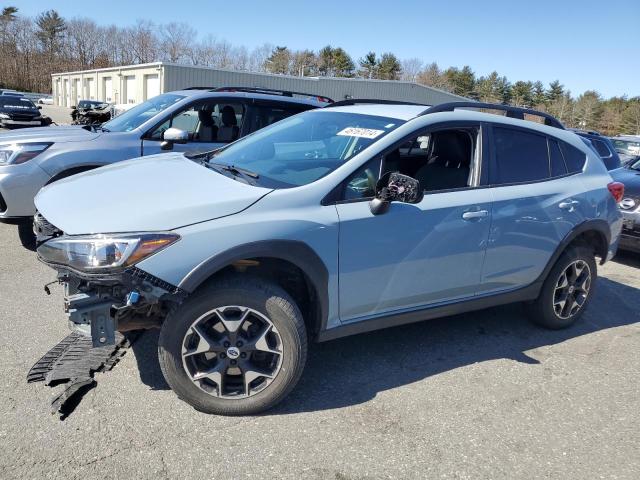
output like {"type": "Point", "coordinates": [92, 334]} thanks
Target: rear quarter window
{"type": "Point", "coordinates": [573, 157]}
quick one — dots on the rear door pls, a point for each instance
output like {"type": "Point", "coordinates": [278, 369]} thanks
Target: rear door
{"type": "Point", "coordinates": [537, 200]}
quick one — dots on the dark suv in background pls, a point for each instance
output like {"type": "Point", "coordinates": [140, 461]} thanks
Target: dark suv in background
{"type": "Point", "coordinates": [602, 146]}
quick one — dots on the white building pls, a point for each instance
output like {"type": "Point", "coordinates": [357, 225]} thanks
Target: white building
{"type": "Point", "coordinates": [136, 83]}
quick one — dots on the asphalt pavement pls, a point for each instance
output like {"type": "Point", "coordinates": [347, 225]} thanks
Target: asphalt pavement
{"type": "Point", "coordinates": [481, 395]}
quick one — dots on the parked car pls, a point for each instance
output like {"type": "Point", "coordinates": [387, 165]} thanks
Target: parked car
{"type": "Point", "coordinates": [627, 144]}
{"type": "Point", "coordinates": [45, 100]}
{"type": "Point", "coordinates": [90, 112]}
{"type": "Point", "coordinates": [336, 221]}
{"type": "Point", "coordinates": [19, 112]}
{"type": "Point", "coordinates": [602, 146]}
{"type": "Point", "coordinates": [181, 121]}
{"type": "Point", "coordinates": [629, 175]}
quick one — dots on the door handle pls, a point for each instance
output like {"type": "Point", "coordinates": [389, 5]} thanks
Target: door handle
{"type": "Point", "coordinates": [568, 205]}
{"type": "Point", "coordinates": [475, 214]}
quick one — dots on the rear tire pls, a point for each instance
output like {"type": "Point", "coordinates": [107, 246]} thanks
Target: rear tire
{"type": "Point", "coordinates": [567, 290]}
{"type": "Point", "coordinates": [198, 340]}
{"type": "Point", "coordinates": [27, 236]}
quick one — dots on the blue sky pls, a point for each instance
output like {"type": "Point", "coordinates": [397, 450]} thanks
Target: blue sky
{"type": "Point", "coordinates": [585, 44]}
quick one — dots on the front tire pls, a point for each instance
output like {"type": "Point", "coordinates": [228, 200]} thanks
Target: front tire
{"type": "Point", "coordinates": [236, 347]}
{"type": "Point", "coordinates": [567, 290]}
{"type": "Point", "coordinates": [27, 236]}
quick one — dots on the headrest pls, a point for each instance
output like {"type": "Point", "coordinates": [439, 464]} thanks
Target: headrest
{"type": "Point", "coordinates": [229, 116]}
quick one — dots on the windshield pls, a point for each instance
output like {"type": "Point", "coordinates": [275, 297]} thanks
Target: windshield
{"type": "Point", "coordinates": [303, 148]}
{"type": "Point", "coordinates": [635, 165]}
{"type": "Point", "coordinates": [136, 116]}
{"type": "Point", "coordinates": [15, 102]}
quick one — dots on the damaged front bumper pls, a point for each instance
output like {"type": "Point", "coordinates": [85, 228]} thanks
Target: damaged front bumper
{"type": "Point", "coordinates": [99, 305]}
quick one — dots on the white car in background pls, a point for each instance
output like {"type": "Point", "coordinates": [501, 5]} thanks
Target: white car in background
{"type": "Point", "coordinates": [45, 100]}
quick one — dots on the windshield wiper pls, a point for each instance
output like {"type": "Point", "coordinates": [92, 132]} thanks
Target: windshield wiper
{"type": "Point", "coordinates": [237, 171]}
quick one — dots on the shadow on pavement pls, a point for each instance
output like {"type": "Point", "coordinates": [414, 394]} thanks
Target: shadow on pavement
{"type": "Point", "coordinates": [353, 370]}
{"type": "Point", "coordinates": [630, 259]}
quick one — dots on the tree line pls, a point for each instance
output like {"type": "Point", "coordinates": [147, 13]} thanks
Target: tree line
{"type": "Point", "coordinates": [34, 47]}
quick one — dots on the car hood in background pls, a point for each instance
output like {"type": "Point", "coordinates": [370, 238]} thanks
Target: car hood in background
{"type": "Point", "coordinates": [69, 133]}
{"type": "Point", "coordinates": [159, 192]}
{"type": "Point", "coordinates": [630, 178]}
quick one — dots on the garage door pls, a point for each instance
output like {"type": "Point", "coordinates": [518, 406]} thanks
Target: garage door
{"type": "Point", "coordinates": [77, 91]}
{"type": "Point", "coordinates": [151, 86]}
{"type": "Point", "coordinates": [108, 90]}
{"type": "Point", "coordinates": [67, 94]}
{"type": "Point", "coordinates": [91, 89]}
{"type": "Point", "coordinates": [130, 89]}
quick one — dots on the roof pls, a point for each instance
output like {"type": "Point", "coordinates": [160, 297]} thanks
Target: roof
{"type": "Point", "coordinates": [262, 96]}
{"type": "Point", "coordinates": [399, 111]}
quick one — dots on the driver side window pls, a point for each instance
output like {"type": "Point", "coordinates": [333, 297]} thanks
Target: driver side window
{"type": "Point", "coordinates": [362, 183]}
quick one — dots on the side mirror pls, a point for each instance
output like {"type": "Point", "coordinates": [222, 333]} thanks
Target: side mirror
{"type": "Point", "coordinates": [171, 136]}
{"type": "Point", "coordinates": [395, 187]}
{"type": "Point", "coordinates": [72, 107]}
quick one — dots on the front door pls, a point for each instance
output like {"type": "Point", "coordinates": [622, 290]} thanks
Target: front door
{"type": "Point", "coordinates": [422, 254]}
{"type": "Point", "coordinates": [210, 124]}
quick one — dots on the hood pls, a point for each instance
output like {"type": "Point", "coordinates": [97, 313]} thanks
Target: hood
{"type": "Point", "coordinates": [9, 109]}
{"type": "Point", "coordinates": [630, 178]}
{"type": "Point", "coordinates": [159, 192]}
{"type": "Point", "coordinates": [70, 133]}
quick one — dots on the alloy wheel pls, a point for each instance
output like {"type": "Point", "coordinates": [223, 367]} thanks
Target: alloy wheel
{"type": "Point", "coordinates": [572, 289]}
{"type": "Point", "coordinates": [232, 352]}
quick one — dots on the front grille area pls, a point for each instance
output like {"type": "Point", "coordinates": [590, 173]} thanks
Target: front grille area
{"type": "Point", "coordinates": [21, 118]}
{"type": "Point", "coordinates": [43, 229]}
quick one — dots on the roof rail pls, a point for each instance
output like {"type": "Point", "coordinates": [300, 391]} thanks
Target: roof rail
{"type": "Point", "coordinates": [361, 101]}
{"type": "Point", "coordinates": [512, 112]}
{"type": "Point", "coordinates": [272, 91]}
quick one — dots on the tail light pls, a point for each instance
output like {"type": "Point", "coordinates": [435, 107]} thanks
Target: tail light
{"type": "Point", "coordinates": [617, 190]}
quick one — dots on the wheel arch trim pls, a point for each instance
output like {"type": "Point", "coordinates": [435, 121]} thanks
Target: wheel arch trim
{"type": "Point", "coordinates": [295, 252]}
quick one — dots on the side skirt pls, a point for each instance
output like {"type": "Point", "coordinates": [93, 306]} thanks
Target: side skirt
{"type": "Point", "coordinates": [528, 293]}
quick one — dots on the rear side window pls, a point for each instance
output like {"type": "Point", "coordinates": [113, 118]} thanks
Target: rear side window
{"type": "Point", "coordinates": [573, 157]}
{"type": "Point", "coordinates": [601, 148]}
{"type": "Point", "coordinates": [556, 162]}
{"type": "Point", "coordinates": [520, 156]}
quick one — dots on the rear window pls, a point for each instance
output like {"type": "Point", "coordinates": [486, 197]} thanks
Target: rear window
{"type": "Point", "coordinates": [601, 148]}
{"type": "Point", "coordinates": [573, 157]}
{"type": "Point", "coordinates": [520, 156]}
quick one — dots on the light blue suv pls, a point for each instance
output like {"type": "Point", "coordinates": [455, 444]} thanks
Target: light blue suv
{"type": "Point", "coordinates": [336, 221]}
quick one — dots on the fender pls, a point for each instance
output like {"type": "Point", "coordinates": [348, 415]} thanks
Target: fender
{"type": "Point", "coordinates": [597, 225]}
{"type": "Point", "coordinates": [293, 251]}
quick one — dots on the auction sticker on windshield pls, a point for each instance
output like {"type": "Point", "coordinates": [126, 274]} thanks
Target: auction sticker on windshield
{"type": "Point", "coordinates": [360, 132]}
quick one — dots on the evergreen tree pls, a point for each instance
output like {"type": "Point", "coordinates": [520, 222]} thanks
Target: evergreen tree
{"type": "Point", "coordinates": [279, 61]}
{"type": "Point", "coordinates": [522, 94]}
{"type": "Point", "coordinates": [539, 96]}
{"type": "Point", "coordinates": [51, 28]}
{"type": "Point", "coordinates": [369, 65]}
{"type": "Point", "coordinates": [389, 67]}
{"type": "Point", "coordinates": [462, 81]}
{"type": "Point", "coordinates": [555, 92]}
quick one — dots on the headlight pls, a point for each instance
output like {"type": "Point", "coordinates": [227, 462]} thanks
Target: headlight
{"type": "Point", "coordinates": [99, 253]}
{"type": "Point", "coordinates": [4, 115]}
{"type": "Point", "coordinates": [16, 153]}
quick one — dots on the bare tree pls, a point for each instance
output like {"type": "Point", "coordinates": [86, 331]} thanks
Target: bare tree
{"type": "Point", "coordinates": [411, 68]}
{"type": "Point", "coordinates": [176, 40]}
{"type": "Point", "coordinates": [142, 41]}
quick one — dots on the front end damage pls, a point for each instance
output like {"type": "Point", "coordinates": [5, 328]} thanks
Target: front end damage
{"type": "Point", "coordinates": [100, 308]}
{"type": "Point", "coordinates": [99, 305]}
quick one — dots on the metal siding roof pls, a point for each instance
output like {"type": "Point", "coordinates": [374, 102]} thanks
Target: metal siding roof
{"type": "Point", "coordinates": [176, 77]}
